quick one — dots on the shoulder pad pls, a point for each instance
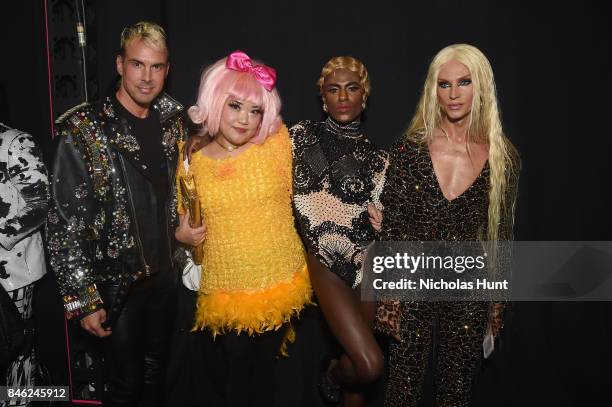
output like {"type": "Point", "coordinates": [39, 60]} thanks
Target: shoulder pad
{"type": "Point", "coordinates": [167, 106]}
{"type": "Point", "coordinates": [70, 112]}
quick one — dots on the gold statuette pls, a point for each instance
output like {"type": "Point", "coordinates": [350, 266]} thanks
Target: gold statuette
{"type": "Point", "coordinates": [191, 202]}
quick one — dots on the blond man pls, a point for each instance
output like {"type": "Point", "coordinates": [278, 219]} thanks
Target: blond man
{"type": "Point", "coordinates": [110, 213]}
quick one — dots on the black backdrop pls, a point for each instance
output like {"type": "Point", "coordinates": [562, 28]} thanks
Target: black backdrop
{"type": "Point", "coordinates": [552, 67]}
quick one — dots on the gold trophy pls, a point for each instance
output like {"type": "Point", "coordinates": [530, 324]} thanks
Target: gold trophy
{"type": "Point", "coordinates": [191, 202]}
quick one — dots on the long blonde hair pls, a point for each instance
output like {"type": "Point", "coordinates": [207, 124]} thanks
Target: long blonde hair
{"type": "Point", "coordinates": [484, 127]}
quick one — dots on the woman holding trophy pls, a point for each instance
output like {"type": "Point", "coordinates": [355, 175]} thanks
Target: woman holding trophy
{"type": "Point", "coordinates": [254, 277]}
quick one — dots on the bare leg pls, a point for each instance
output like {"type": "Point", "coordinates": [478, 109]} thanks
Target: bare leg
{"type": "Point", "coordinates": [355, 397]}
{"type": "Point", "coordinates": [362, 361]}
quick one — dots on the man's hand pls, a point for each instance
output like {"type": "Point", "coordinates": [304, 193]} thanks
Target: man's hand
{"type": "Point", "coordinates": [93, 324]}
{"type": "Point", "coordinates": [188, 235]}
{"type": "Point", "coordinates": [194, 144]}
{"type": "Point", "coordinates": [376, 217]}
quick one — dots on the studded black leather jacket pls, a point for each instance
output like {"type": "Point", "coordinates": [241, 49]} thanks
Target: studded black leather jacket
{"type": "Point", "coordinates": [100, 227]}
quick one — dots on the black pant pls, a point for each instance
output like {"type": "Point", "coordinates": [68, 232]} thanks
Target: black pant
{"type": "Point", "coordinates": [136, 351]}
{"type": "Point", "coordinates": [240, 368]}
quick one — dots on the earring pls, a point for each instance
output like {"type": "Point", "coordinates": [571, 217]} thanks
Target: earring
{"type": "Point", "coordinates": [363, 105]}
{"type": "Point", "coordinates": [325, 107]}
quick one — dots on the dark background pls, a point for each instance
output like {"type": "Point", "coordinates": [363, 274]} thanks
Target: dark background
{"type": "Point", "coordinates": [552, 66]}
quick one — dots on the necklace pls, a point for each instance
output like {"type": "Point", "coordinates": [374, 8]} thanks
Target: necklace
{"type": "Point", "coordinates": [229, 148]}
{"type": "Point", "coordinates": [348, 130]}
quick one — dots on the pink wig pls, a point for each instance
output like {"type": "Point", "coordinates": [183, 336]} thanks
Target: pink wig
{"type": "Point", "coordinates": [218, 83]}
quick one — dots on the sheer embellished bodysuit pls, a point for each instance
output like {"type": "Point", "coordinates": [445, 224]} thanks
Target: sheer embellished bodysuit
{"type": "Point", "coordinates": [337, 171]}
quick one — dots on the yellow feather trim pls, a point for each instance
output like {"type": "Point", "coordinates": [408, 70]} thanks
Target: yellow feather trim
{"type": "Point", "coordinates": [288, 339]}
{"type": "Point", "coordinates": [253, 312]}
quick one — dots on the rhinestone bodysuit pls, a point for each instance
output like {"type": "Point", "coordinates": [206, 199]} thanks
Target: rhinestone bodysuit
{"type": "Point", "coordinates": [337, 171]}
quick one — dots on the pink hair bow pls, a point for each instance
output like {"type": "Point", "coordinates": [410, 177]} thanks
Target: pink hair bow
{"type": "Point", "coordinates": [239, 61]}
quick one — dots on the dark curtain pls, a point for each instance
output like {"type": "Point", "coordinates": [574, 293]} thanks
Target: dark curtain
{"type": "Point", "coordinates": [552, 67]}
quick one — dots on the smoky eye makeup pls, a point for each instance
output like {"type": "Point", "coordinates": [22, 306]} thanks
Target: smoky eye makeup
{"type": "Point", "coordinates": [234, 104]}
{"type": "Point", "coordinates": [465, 81]}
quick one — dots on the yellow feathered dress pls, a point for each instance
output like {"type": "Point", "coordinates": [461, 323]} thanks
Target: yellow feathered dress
{"type": "Point", "coordinates": [254, 276]}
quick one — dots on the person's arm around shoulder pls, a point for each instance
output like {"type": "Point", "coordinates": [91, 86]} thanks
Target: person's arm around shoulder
{"type": "Point", "coordinates": [195, 142]}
